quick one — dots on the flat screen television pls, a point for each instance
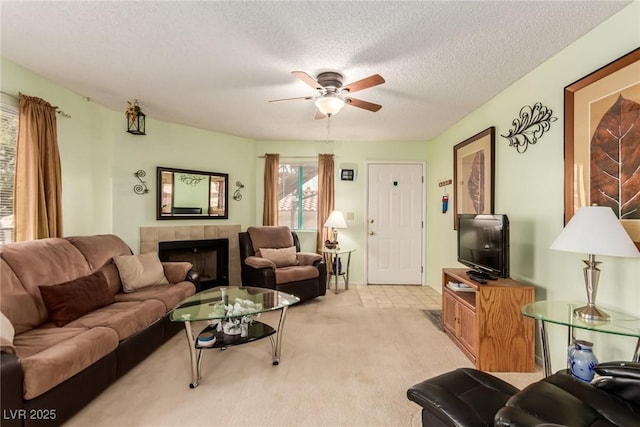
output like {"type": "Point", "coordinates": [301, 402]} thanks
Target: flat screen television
{"type": "Point", "coordinates": [483, 244]}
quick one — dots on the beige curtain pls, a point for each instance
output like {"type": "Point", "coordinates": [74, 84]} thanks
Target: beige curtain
{"type": "Point", "coordinates": [38, 176]}
{"type": "Point", "coordinates": [271, 175]}
{"type": "Point", "coordinates": [326, 195]}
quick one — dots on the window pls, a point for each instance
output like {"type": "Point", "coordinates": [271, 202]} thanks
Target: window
{"type": "Point", "coordinates": [9, 133]}
{"type": "Point", "coordinates": [298, 195]}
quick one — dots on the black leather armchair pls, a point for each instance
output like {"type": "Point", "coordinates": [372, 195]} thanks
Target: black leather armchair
{"type": "Point", "coordinates": [305, 278]}
{"type": "Point", "coordinates": [468, 397]}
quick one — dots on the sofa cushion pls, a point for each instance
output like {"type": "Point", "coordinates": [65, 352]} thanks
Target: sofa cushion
{"type": "Point", "coordinates": [112, 275]}
{"type": "Point", "coordinates": [99, 249]}
{"type": "Point", "coordinates": [26, 266]}
{"type": "Point", "coordinates": [169, 295]}
{"type": "Point", "coordinates": [7, 332]}
{"type": "Point", "coordinates": [270, 237]}
{"type": "Point", "coordinates": [126, 318]}
{"type": "Point", "coordinates": [281, 257]}
{"type": "Point", "coordinates": [296, 273]}
{"type": "Point", "coordinates": [51, 355]}
{"type": "Point", "coordinates": [68, 301]}
{"type": "Point", "coordinates": [140, 271]}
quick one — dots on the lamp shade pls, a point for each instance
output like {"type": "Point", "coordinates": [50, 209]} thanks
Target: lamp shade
{"type": "Point", "coordinates": [595, 230]}
{"type": "Point", "coordinates": [336, 220]}
{"type": "Point", "coordinates": [329, 104]}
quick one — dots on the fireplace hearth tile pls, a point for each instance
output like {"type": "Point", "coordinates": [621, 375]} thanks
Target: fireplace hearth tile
{"type": "Point", "coordinates": [166, 234]}
{"type": "Point", "coordinates": [196, 232]}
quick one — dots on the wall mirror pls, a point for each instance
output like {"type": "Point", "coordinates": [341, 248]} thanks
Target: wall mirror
{"type": "Point", "coordinates": [189, 194]}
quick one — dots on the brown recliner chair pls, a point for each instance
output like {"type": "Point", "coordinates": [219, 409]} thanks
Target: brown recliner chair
{"type": "Point", "coordinates": [270, 257]}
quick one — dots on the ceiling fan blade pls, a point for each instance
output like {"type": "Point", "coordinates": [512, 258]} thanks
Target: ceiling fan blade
{"type": "Point", "coordinates": [363, 104]}
{"type": "Point", "coordinates": [292, 99]}
{"type": "Point", "coordinates": [365, 83]}
{"type": "Point", "coordinates": [307, 79]}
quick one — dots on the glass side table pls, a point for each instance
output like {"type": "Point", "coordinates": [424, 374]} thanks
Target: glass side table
{"type": "Point", "coordinates": [561, 313]}
{"type": "Point", "coordinates": [343, 270]}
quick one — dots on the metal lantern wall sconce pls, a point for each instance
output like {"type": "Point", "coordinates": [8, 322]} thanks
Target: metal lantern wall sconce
{"type": "Point", "coordinates": [142, 187]}
{"type": "Point", "coordinates": [136, 119]}
{"type": "Point", "coordinates": [237, 196]}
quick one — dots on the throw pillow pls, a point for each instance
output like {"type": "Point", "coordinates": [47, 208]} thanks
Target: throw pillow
{"type": "Point", "coordinates": [68, 301]}
{"type": "Point", "coordinates": [140, 271]}
{"type": "Point", "coordinates": [7, 332]}
{"type": "Point", "coordinates": [283, 257]}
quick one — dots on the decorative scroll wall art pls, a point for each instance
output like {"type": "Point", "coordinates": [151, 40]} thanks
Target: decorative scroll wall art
{"type": "Point", "coordinates": [142, 187]}
{"type": "Point", "coordinates": [473, 175]}
{"type": "Point", "coordinates": [602, 136]}
{"type": "Point", "coordinates": [532, 123]}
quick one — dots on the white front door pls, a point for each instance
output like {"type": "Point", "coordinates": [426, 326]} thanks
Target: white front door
{"type": "Point", "coordinates": [395, 222]}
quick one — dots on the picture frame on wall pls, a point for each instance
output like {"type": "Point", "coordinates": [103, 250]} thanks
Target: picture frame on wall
{"type": "Point", "coordinates": [474, 174]}
{"type": "Point", "coordinates": [601, 140]}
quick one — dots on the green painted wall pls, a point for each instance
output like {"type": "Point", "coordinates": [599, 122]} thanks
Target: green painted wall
{"type": "Point", "coordinates": [530, 186]}
{"type": "Point", "coordinates": [99, 159]}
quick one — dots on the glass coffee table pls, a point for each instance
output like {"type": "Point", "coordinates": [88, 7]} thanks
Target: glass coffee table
{"type": "Point", "coordinates": [226, 330]}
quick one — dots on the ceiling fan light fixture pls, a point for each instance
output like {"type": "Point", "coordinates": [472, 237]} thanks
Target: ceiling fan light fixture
{"type": "Point", "coordinates": [329, 104]}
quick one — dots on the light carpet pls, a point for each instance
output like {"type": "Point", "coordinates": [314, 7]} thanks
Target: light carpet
{"type": "Point", "coordinates": [342, 364]}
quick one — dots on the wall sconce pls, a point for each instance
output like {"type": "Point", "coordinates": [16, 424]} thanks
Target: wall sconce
{"type": "Point", "coordinates": [237, 196]}
{"type": "Point", "coordinates": [136, 119]}
{"type": "Point", "coordinates": [142, 187]}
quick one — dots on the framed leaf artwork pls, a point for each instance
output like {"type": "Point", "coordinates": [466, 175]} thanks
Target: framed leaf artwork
{"type": "Point", "coordinates": [602, 142]}
{"type": "Point", "coordinates": [473, 175]}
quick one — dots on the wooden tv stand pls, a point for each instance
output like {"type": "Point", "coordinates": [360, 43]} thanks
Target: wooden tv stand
{"type": "Point", "coordinates": [487, 324]}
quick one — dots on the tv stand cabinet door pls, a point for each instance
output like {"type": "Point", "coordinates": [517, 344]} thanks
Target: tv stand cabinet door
{"type": "Point", "coordinates": [459, 322]}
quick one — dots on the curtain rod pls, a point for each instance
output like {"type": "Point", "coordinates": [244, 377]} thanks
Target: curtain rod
{"type": "Point", "coordinates": [294, 157]}
{"type": "Point", "coordinates": [58, 111]}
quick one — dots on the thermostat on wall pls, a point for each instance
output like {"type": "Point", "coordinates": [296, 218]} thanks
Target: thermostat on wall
{"type": "Point", "coordinates": [347, 174]}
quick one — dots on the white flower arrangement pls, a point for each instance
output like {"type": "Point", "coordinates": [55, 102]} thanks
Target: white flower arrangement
{"type": "Point", "coordinates": [239, 316]}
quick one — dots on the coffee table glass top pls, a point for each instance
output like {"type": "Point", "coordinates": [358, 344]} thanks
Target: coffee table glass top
{"type": "Point", "coordinates": [209, 304]}
{"type": "Point", "coordinates": [561, 312]}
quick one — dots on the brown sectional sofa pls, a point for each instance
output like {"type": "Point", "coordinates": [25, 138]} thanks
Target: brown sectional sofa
{"type": "Point", "coordinates": [49, 372]}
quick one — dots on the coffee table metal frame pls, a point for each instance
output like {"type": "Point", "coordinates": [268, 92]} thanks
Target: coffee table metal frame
{"type": "Point", "coordinates": [198, 307]}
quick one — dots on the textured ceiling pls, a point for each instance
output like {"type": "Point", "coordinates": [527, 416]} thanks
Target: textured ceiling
{"type": "Point", "coordinates": [215, 65]}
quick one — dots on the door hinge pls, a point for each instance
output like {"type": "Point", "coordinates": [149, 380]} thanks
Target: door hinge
{"type": "Point", "coordinates": [421, 269]}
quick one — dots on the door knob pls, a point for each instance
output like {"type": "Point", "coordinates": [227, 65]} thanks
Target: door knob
{"type": "Point", "coordinates": [371, 221]}
{"type": "Point", "coordinates": [371, 233]}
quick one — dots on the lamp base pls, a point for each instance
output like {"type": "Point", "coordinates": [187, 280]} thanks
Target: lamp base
{"type": "Point", "coordinates": [591, 313]}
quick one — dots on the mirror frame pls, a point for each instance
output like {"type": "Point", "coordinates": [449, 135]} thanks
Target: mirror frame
{"type": "Point", "coordinates": [160, 216]}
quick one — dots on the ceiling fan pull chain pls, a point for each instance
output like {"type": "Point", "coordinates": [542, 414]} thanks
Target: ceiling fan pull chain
{"type": "Point", "coordinates": [328, 127]}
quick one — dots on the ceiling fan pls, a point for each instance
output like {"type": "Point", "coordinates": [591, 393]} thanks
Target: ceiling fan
{"type": "Point", "coordinates": [332, 95]}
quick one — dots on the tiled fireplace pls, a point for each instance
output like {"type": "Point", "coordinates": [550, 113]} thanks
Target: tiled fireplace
{"type": "Point", "coordinates": [151, 236]}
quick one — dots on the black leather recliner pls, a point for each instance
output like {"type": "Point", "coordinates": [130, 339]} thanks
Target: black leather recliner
{"type": "Point", "coordinates": [468, 397]}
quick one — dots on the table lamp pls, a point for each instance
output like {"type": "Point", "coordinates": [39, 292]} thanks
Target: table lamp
{"type": "Point", "coordinates": [594, 230]}
{"type": "Point", "coordinates": [335, 221]}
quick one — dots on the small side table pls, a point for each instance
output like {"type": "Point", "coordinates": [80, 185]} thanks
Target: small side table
{"type": "Point", "coordinates": [561, 313]}
{"type": "Point", "coordinates": [337, 253]}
